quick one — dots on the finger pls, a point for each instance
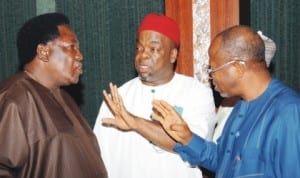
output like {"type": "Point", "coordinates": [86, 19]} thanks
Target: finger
{"type": "Point", "coordinates": [115, 91]}
{"type": "Point", "coordinates": [109, 122]}
{"type": "Point", "coordinates": [167, 107]}
{"type": "Point", "coordinates": [164, 107]}
{"type": "Point", "coordinates": [116, 97]}
{"type": "Point", "coordinates": [157, 117]}
{"type": "Point", "coordinates": [159, 108]}
{"type": "Point", "coordinates": [110, 103]}
{"type": "Point", "coordinates": [112, 91]}
{"type": "Point", "coordinates": [106, 95]}
{"type": "Point", "coordinates": [169, 110]}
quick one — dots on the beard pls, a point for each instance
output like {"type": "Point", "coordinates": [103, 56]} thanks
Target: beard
{"type": "Point", "coordinates": [146, 78]}
{"type": "Point", "coordinates": [222, 94]}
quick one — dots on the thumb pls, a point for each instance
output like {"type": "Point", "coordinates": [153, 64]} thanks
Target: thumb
{"type": "Point", "coordinates": [108, 122]}
{"type": "Point", "coordinates": [177, 127]}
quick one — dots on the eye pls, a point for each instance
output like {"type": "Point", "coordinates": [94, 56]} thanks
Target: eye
{"type": "Point", "coordinates": [152, 50]}
{"type": "Point", "coordinates": [139, 48]}
{"type": "Point", "coordinates": [72, 46]}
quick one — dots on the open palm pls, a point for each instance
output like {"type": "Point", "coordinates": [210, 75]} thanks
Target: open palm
{"type": "Point", "coordinates": [123, 119]}
{"type": "Point", "coordinates": [171, 121]}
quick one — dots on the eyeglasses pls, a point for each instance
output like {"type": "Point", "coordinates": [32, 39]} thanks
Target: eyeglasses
{"type": "Point", "coordinates": [210, 71]}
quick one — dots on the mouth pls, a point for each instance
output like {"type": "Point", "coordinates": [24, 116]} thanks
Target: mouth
{"type": "Point", "coordinates": [143, 68]}
{"type": "Point", "coordinates": [215, 85]}
{"type": "Point", "coordinates": [78, 69]}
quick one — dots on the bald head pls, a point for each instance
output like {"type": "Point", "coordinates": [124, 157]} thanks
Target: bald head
{"type": "Point", "coordinates": [241, 42]}
{"type": "Point", "coordinates": [231, 75]}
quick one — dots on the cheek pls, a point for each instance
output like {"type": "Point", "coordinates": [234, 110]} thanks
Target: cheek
{"type": "Point", "coordinates": [158, 65]}
{"type": "Point", "coordinates": [160, 60]}
{"type": "Point", "coordinates": [221, 79]}
{"type": "Point", "coordinates": [63, 63]}
{"type": "Point", "coordinates": [136, 59]}
{"type": "Point", "coordinates": [225, 82]}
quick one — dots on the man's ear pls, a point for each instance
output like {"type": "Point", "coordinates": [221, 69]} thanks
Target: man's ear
{"type": "Point", "coordinates": [174, 55]}
{"type": "Point", "coordinates": [240, 67]}
{"type": "Point", "coordinates": [42, 52]}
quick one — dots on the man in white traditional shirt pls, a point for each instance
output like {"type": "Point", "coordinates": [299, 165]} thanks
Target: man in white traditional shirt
{"type": "Point", "coordinates": [133, 149]}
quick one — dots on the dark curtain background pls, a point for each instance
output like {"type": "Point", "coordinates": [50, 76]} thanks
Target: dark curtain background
{"type": "Point", "coordinates": [278, 19]}
{"type": "Point", "coordinates": [13, 14]}
{"type": "Point", "coordinates": [106, 31]}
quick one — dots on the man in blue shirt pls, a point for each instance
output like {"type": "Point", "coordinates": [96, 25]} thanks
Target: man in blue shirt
{"type": "Point", "coordinates": [261, 137]}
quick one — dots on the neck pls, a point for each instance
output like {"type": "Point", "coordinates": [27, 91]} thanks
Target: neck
{"type": "Point", "coordinates": [258, 87]}
{"type": "Point", "coordinates": [34, 75]}
{"type": "Point", "coordinates": [152, 82]}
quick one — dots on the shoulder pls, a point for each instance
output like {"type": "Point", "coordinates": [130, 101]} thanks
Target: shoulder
{"type": "Point", "coordinates": [14, 88]}
{"type": "Point", "coordinates": [285, 103]}
{"type": "Point", "coordinates": [15, 96]}
{"type": "Point", "coordinates": [133, 83]}
{"type": "Point", "coordinates": [191, 84]}
{"type": "Point", "coordinates": [283, 93]}
{"type": "Point", "coordinates": [188, 79]}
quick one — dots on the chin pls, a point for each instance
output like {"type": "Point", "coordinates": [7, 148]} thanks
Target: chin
{"type": "Point", "coordinates": [73, 80]}
{"type": "Point", "coordinates": [225, 95]}
{"type": "Point", "coordinates": [144, 78]}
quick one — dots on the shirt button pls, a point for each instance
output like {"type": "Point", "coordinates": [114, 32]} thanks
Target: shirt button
{"type": "Point", "coordinates": [228, 151]}
{"type": "Point", "coordinates": [237, 158]}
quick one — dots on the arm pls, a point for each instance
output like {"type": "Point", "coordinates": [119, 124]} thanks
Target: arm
{"type": "Point", "coordinates": [126, 121]}
{"type": "Point", "coordinates": [14, 148]}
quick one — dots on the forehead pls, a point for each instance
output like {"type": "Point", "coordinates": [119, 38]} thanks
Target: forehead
{"type": "Point", "coordinates": [152, 36]}
{"type": "Point", "coordinates": [66, 34]}
{"type": "Point", "coordinates": [215, 50]}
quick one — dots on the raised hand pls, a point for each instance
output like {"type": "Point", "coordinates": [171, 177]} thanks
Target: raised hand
{"type": "Point", "coordinates": [171, 121]}
{"type": "Point", "coordinates": [123, 119]}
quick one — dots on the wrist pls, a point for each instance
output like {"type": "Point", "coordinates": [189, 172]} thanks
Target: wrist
{"type": "Point", "coordinates": [187, 139]}
{"type": "Point", "coordinates": [135, 123]}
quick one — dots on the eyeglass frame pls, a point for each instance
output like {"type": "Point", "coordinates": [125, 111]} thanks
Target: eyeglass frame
{"type": "Point", "coordinates": [211, 71]}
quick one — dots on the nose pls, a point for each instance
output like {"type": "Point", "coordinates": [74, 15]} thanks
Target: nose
{"type": "Point", "coordinates": [210, 75]}
{"type": "Point", "coordinates": [78, 55]}
{"type": "Point", "coordinates": [144, 54]}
